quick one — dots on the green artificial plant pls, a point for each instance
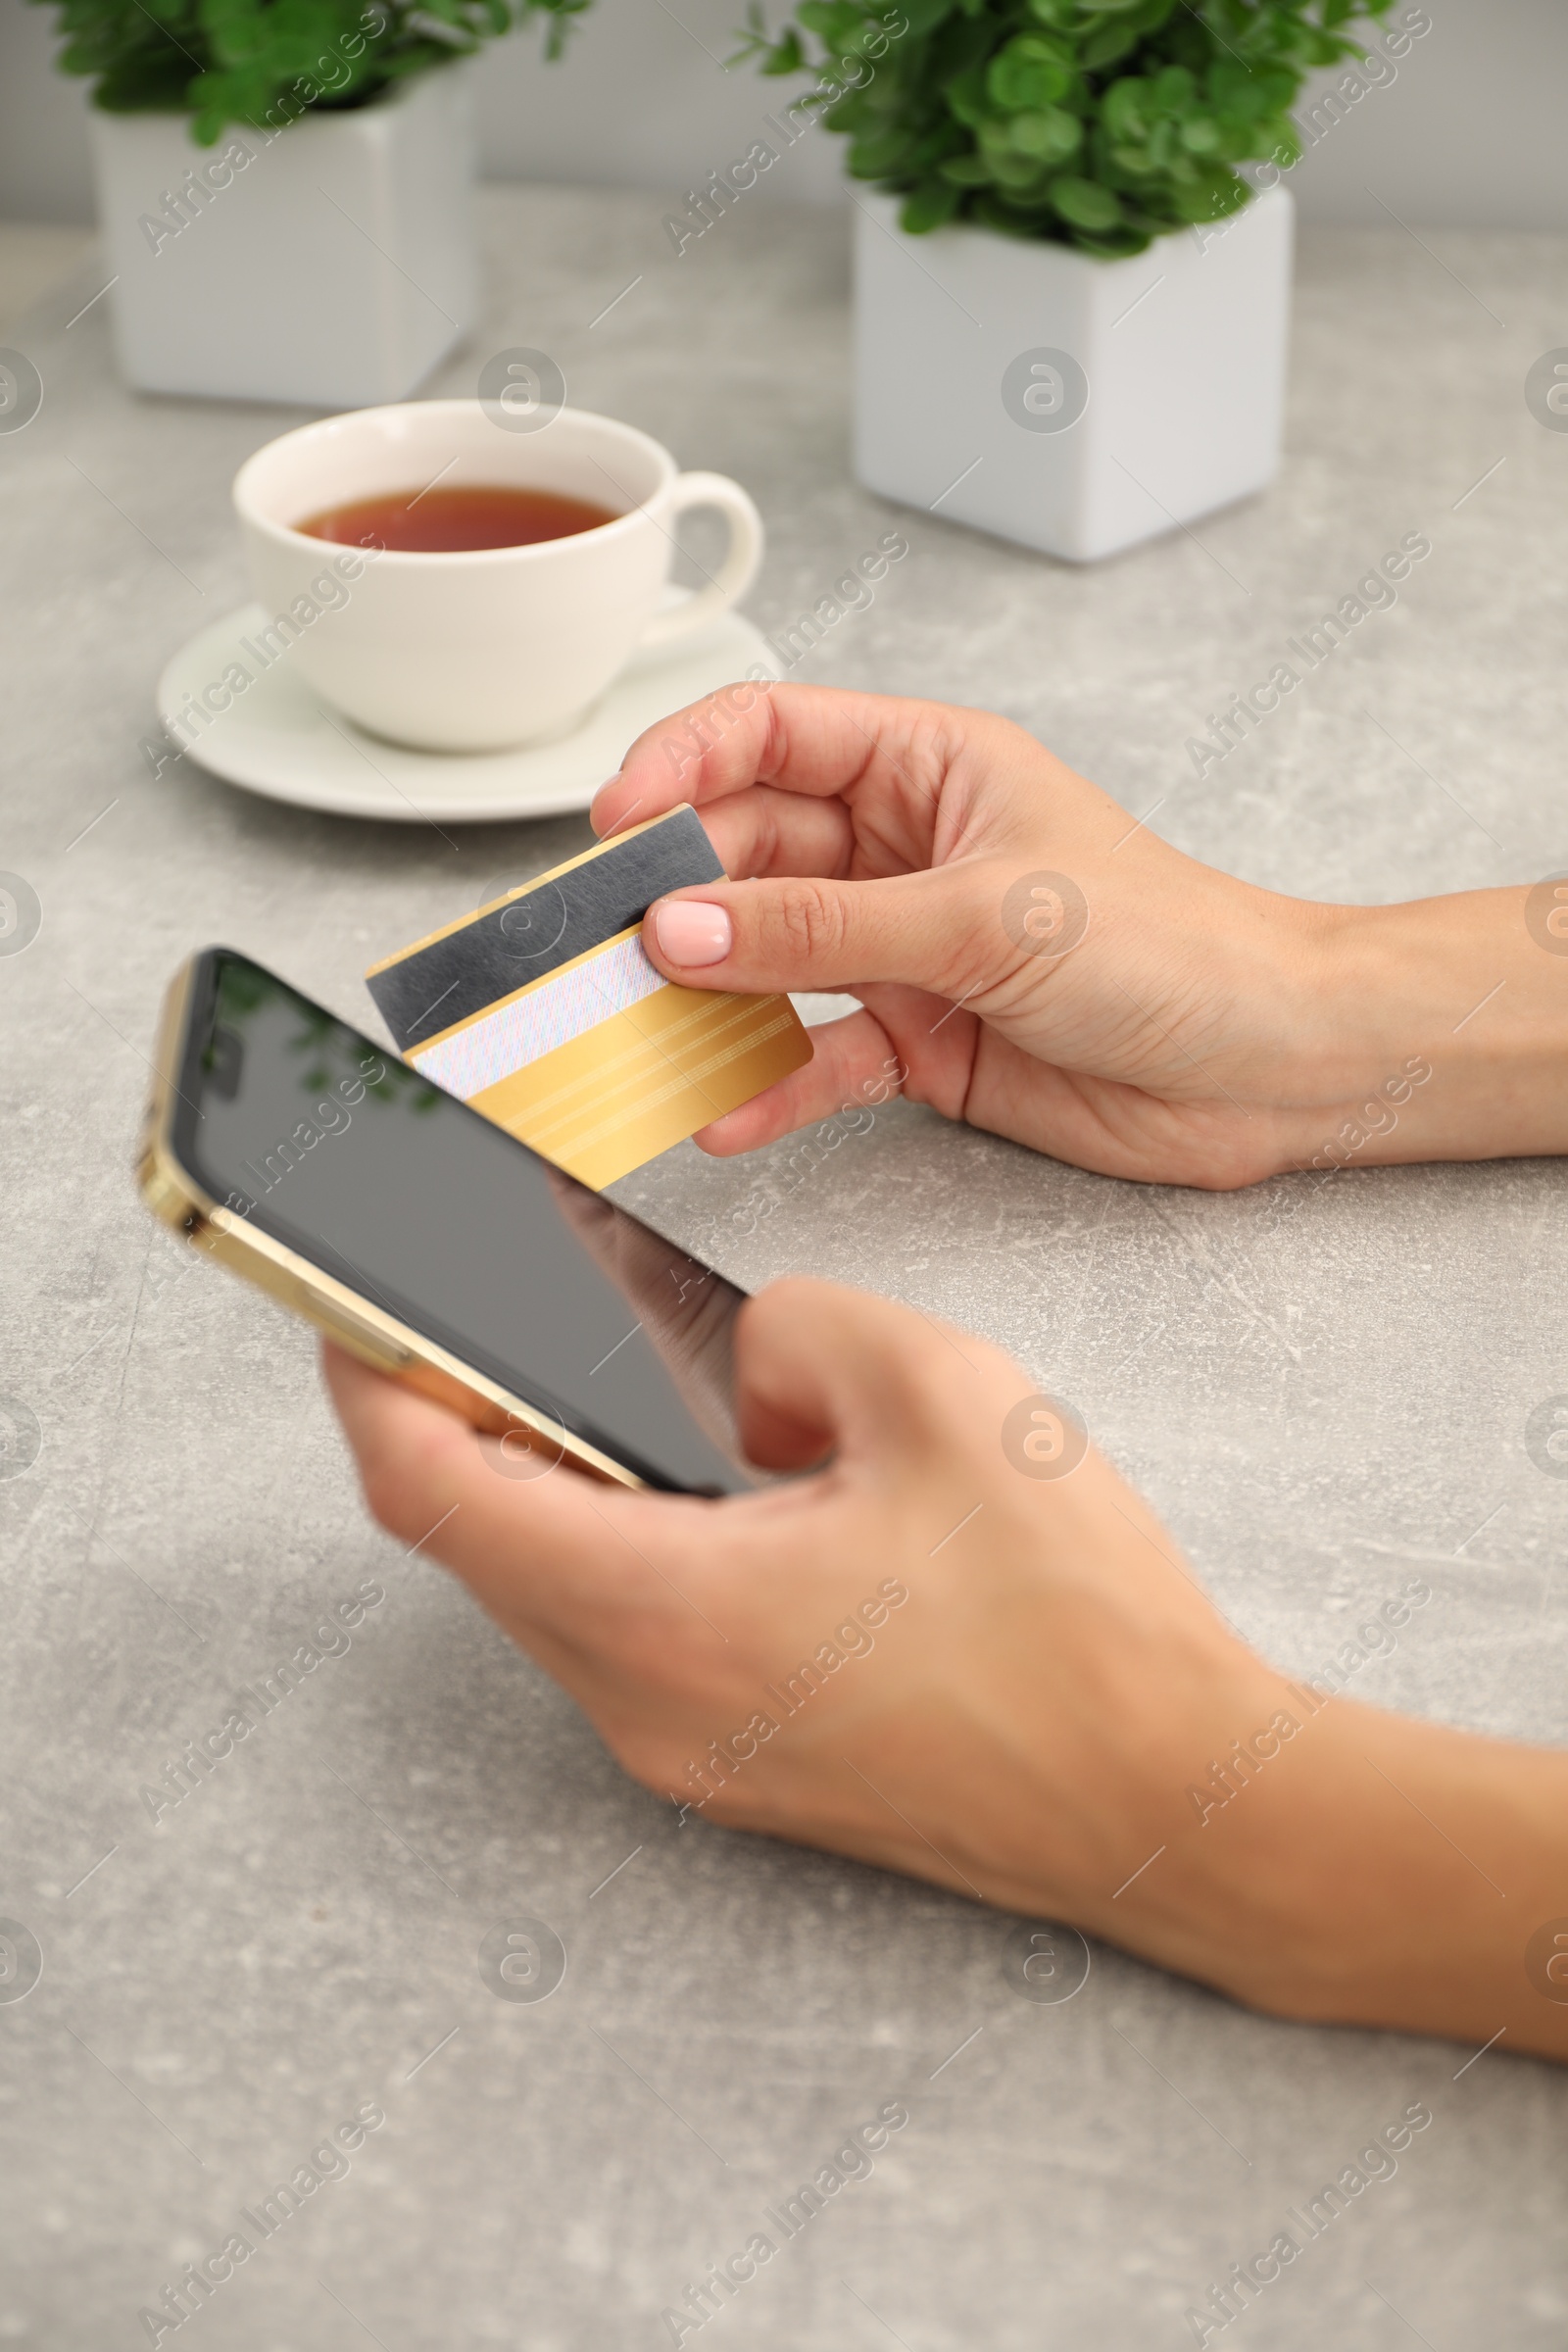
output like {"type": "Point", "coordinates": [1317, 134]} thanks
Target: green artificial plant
{"type": "Point", "coordinates": [1099, 123]}
{"type": "Point", "coordinates": [266, 62]}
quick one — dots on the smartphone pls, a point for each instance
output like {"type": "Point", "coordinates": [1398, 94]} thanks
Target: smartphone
{"type": "Point", "coordinates": [306, 1157]}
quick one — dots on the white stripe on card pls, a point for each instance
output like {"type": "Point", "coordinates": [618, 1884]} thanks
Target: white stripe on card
{"type": "Point", "coordinates": [509, 1039]}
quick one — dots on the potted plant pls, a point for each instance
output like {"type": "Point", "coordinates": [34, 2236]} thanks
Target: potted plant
{"type": "Point", "coordinates": [1071, 304]}
{"type": "Point", "coordinates": [284, 190]}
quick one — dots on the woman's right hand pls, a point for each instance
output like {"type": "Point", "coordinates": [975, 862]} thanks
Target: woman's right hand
{"type": "Point", "coordinates": [1035, 960]}
{"type": "Point", "coordinates": [961, 1648]}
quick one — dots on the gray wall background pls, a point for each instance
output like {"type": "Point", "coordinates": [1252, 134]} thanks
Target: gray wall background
{"type": "Point", "coordinates": [1470, 135]}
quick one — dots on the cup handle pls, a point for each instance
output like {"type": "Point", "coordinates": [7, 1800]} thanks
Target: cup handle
{"type": "Point", "coordinates": [743, 557]}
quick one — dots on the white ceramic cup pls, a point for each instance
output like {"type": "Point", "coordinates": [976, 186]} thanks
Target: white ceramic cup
{"type": "Point", "coordinates": [508, 644]}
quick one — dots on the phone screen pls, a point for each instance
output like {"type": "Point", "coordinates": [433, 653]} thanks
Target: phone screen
{"type": "Point", "coordinates": [329, 1143]}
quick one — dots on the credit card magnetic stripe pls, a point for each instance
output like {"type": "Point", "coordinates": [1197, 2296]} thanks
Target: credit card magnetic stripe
{"type": "Point", "coordinates": [445, 980]}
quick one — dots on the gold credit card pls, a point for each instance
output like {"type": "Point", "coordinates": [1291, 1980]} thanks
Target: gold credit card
{"type": "Point", "coordinates": [590, 1055]}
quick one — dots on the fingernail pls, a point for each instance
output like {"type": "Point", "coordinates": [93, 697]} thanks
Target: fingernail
{"type": "Point", "coordinates": [600, 794]}
{"type": "Point", "coordinates": [692, 931]}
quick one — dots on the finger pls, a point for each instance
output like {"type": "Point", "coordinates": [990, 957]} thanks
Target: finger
{"type": "Point", "coordinates": [934, 930]}
{"type": "Point", "coordinates": [572, 1566]}
{"type": "Point", "coordinates": [862, 1376]}
{"type": "Point", "coordinates": [766, 831]}
{"type": "Point", "coordinates": [816, 741]}
{"type": "Point", "coordinates": [853, 1070]}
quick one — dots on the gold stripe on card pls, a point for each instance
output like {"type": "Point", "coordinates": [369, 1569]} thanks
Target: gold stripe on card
{"type": "Point", "coordinates": [616, 1064]}
{"type": "Point", "coordinates": [644, 1079]}
{"type": "Point", "coordinates": [682, 1081]}
{"type": "Point", "coordinates": [614, 1074]}
{"type": "Point", "coordinates": [633, 1069]}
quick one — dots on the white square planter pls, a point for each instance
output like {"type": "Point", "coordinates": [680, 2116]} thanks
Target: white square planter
{"type": "Point", "coordinates": [1074, 405]}
{"type": "Point", "coordinates": [330, 263]}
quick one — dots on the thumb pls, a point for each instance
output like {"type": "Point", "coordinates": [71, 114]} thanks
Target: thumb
{"type": "Point", "coordinates": [806, 932]}
{"type": "Point", "coordinates": [822, 1370]}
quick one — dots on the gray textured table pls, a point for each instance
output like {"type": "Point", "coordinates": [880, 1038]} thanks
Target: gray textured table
{"type": "Point", "coordinates": [1324, 1390]}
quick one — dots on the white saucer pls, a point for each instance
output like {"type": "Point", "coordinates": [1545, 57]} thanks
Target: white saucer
{"type": "Point", "coordinates": [278, 739]}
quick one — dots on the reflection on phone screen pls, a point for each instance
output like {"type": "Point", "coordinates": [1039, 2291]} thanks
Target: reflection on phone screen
{"type": "Point", "coordinates": [341, 1152]}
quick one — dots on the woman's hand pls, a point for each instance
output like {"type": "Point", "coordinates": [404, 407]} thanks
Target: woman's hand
{"type": "Point", "coordinates": [1042, 965]}
{"type": "Point", "coordinates": [966, 1650]}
